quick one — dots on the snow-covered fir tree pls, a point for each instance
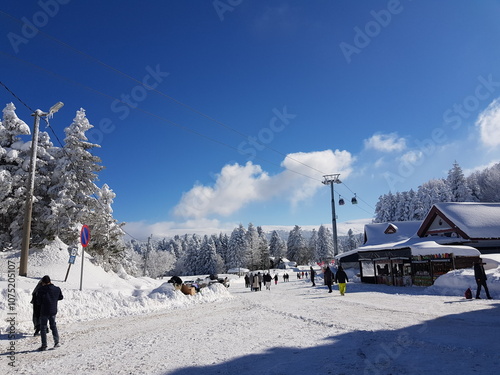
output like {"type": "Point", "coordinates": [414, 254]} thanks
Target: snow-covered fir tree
{"type": "Point", "coordinates": [277, 246]}
{"type": "Point", "coordinates": [313, 244]}
{"type": "Point", "coordinates": [253, 256]}
{"type": "Point", "coordinates": [265, 256]}
{"type": "Point", "coordinates": [210, 261]}
{"type": "Point", "coordinates": [237, 248]}
{"type": "Point", "coordinates": [107, 235]}
{"type": "Point", "coordinates": [457, 183]}
{"type": "Point", "coordinates": [297, 249]}
{"type": "Point", "coordinates": [222, 247]}
{"type": "Point", "coordinates": [74, 188]}
{"type": "Point", "coordinates": [14, 170]}
{"type": "Point", "coordinates": [325, 244]}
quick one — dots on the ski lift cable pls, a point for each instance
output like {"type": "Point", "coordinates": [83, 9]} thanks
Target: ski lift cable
{"type": "Point", "coordinates": [161, 118]}
{"type": "Point", "coordinates": [178, 102]}
{"type": "Point", "coordinates": [186, 128]}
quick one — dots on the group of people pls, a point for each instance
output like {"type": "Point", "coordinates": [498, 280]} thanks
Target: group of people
{"type": "Point", "coordinates": [44, 299]}
{"type": "Point", "coordinates": [340, 277]}
{"type": "Point", "coordinates": [254, 281]}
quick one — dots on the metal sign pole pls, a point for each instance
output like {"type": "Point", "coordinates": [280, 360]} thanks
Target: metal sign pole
{"type": "Point", "coordinates": [81, 274]}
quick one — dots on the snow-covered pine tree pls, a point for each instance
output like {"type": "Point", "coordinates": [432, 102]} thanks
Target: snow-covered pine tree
{"type": "Point", "coordinates": [297, 247]}
{"type": "Point", "coordinates": [237, 248]}
{"type": "Point", "coordinates": [73, 180]}
{"type": "Point", "coordinates": [312, 244]}
{"type": "Point", "coordinates": [265, 257]}
{"type": "Point", "coordinates": [277, 246]}
{"type": "Point", "coordinates": [107, 234]}
{"type": "Point", "coordinates": [192, 262]}
{"type": "Point", "coordinates": [457, 183]}
{"type": "Point", "coordinates": [431, 192]}
{"type": "Point", "coordinates": [487, 182]}
{"type": "Point", "coordinates": [210, 261]}
{"type": "Point", "coordinates": [222, 249]}
{"type": "Point", "coordinates": [253, 256]}
{"type": "Point", "coordinates": [14, 170]}
{"type": "Point", "coordinates": [325, 244]}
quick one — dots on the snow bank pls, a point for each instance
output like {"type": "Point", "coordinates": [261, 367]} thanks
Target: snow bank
{"type": "Point", "coordinates": [103, 295]}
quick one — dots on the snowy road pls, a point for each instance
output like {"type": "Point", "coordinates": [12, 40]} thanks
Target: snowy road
{"type": "Point", "coordinates": [292, 329]}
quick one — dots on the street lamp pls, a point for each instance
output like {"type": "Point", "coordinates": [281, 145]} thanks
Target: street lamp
{"type": "Point", "coordinates": [25, 244]}
{"type": "Point", "coordinates": [331, 179]}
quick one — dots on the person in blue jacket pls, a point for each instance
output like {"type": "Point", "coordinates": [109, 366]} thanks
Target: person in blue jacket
{"type": "Point", "coordinates": [47, 297]}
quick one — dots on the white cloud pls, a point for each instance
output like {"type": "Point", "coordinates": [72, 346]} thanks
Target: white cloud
{"type": "Point", "coordinates": [237, 186]}
{"type": "Point", "coordinates": [412, 157]}
{"type": "Point", "coordinates": [488, 123]}
{"type": "Point", "coordinates": [385, 142]}
{"type": "Point", "coordinates": [315, 165]}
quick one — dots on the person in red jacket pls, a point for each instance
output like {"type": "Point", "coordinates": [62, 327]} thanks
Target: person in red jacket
{"type": "Point", "coordinates": [47, 297]}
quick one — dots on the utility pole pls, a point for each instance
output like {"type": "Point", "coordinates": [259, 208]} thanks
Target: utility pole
{"type": "Point", "coordinates": [25, 244]}
{"type": "Point", "coordinates": [331, 179]}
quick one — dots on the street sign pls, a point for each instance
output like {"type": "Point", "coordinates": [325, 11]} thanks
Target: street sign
{"type": "Point", "coordinates": [85, 236]}
{"type": "Point", "coordinates": [72, 259]}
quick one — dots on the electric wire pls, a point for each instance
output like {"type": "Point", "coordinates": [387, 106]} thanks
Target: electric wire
{"type": "Point", "coordinates": [174, 100]}
{"type": "Point", "coordinates": [72, 163]}
{"type": "Point", "coordinates": [135, 80]}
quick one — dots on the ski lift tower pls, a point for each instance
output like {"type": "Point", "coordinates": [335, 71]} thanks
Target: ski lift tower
{"type": "Point", "coordinates": [331, 179]}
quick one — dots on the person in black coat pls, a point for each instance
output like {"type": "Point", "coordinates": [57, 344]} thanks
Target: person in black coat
{"type": "Point", "coordinates": [313, 273]}
{"type": "Point", "coordinates": [480, 276]}
{"type": "Point", "coordinates": [36, 308]}
{"type": "Point", "coordinates": [47, 297]}
{"type": "Point", "coordinates": [328, 275]}
{"type": "Point", "coordinates": [341, 279]}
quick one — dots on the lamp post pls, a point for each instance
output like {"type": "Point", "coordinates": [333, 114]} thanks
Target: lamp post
{"type": "Point", "coordinates": [331, 179]}
{"type": "Point", "coordinates": [25, 244]}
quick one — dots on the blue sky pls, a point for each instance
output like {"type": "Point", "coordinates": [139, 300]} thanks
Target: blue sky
{"type": "Point", "coordinates": [248, 104]}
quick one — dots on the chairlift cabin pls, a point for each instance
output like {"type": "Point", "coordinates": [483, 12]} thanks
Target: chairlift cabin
{"type": "Point", "coordinates": [341, 201]}
{"type": "Point", "coordinates": [354, 200]}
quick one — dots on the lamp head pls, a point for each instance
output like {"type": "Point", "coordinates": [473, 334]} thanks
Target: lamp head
{"type": "Point", "coordinates": [56, 107]}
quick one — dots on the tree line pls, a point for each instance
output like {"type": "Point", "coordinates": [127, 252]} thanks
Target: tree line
{"type": "Point", "coordinates": [249, 248]}
{"type": "Point", "coordinates": [480, 186]}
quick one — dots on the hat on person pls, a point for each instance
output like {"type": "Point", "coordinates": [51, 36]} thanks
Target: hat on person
{"type": "Point", "coordinates": [46, 279]}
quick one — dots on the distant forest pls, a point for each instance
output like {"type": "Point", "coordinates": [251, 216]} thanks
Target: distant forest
{"type": "Point", "coordinates": [480, 186]}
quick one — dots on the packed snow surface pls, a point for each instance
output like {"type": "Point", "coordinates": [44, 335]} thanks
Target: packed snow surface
{"type": "Point", "coordinates": [119, 324]}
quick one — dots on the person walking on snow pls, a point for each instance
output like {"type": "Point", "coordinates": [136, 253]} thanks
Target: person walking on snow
{"type": "Point", "coordinates": [47, 297]}
{"type": "Point", "coordinates": [480, 276]}
{"type": "Point", "coordinates": [313, 273]}
{"type": "Point", "coordinates": [328, 275]}
{"type": "Point", "coordinates": [36, 309]}
{"type": "Point", "coordinates": [341, 279]}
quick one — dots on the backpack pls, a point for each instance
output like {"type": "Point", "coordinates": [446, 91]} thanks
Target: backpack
{"type": "Point", "coordinates": [468, 294]}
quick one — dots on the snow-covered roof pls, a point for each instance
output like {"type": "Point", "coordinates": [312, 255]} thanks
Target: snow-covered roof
{"type": "Point", "coordinates": [470, 220]}
{"type": "Point", "coordinates": [384, 233]}
{"type": "Point", "coordinates": [423, 246]}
